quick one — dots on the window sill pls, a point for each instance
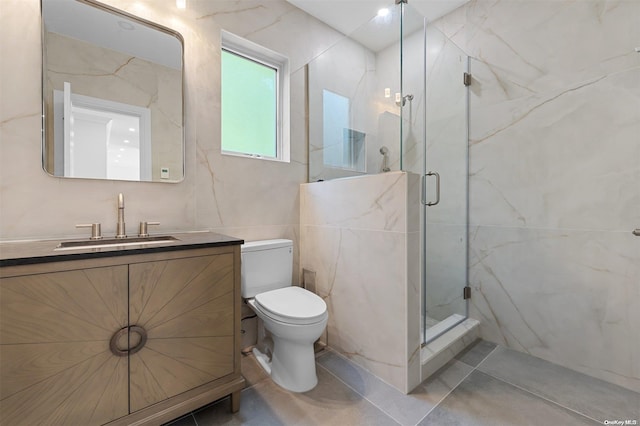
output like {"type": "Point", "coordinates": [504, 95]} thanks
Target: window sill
{"type": "Point", "coordinates": [255, 157]}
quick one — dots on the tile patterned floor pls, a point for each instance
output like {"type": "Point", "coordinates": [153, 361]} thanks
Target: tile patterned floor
{"type": "Point", "coordinates": [485, 385]}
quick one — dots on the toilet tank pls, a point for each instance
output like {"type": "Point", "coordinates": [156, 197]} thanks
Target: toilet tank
{"type": "Point", "coordinates": [266, 265]}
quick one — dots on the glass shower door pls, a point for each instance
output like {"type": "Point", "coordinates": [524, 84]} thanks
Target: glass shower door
{"type": "Point", "coordinates": [435, 145]}
{"type": "Point", "coordinates": [446, 185]}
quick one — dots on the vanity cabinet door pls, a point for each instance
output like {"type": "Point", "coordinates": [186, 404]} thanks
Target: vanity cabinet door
{"type": "Point", "coordinates": [186, 307]}
{"type": "Point", "coordinates": [55, 363]}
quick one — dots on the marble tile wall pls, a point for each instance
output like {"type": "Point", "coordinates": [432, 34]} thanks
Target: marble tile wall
{"type": "Point", "coordinates": [346, 69]}
{"type": "Point", "coordinates": [555, 164]}
{"type": "Point", "coordinates": [360, 236]}
{"type": "Point", "coordinates": [555, 179]}
{"type": "Point", "coordinates": [361, 74]}
{"type": "Point", "coordinates": [248, 198]}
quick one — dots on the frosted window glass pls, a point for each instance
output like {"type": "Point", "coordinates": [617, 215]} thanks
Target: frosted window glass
{"type": "Point", "coordinates": [249, 106]}
{"type": "Point", "coordinates": [335, 119]}
{"type": "Point", "coordinates": [343, 147]}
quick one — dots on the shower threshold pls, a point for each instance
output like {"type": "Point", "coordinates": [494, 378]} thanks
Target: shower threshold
{"type": "Point", "coordinates": [444, 348]}
{"type": "Point", "coordinates": [442, 326]}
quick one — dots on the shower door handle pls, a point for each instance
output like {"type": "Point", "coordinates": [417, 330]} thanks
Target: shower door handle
{"type": "Point", "coordinates": [424, 189]}
{"type": "Point", "coordinates": [636, 232]}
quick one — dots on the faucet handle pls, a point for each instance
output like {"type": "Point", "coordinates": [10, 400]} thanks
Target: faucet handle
{"type": "Point", "coordinates": [142, 232]}
{"type": "Point", "coordinates": [96, 232]}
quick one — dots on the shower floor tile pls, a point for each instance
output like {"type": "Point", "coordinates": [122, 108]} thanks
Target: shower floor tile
{"type": "Point", "coordinates": [485, 385]}
{"type": "Point", "coordinates": [266, 404]}
{"type": "Point", "coordinates": [482, 400]}
{"type": "Point", "coordinates": [476, 352]}
{"type": "Point", "coordinates": [406, 409]}
{"type": "Point", "coordinates": [595, 398]}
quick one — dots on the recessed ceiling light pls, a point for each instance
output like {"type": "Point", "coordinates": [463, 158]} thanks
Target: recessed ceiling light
{"type": "Point", "coordinates": [127, 26]}
{"type": "Point", "coordinates": [383, 12]}
{"type": "Point", "coordinates": [181, 4]}
{"type": "Point", "coordinates": [132, 129]}
{"type": "Point", "coordinates": [126, 141]}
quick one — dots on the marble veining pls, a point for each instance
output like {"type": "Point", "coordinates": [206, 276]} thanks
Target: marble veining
{"type": "Point", "coordinates": [364, 270]}
{"type": "Point", "coordinates": [554, 172]}
{"type": "Point", "coordinates": [539, 103]}
{"type": "Point", "coordinates": [554, 163]}
{"type": "Point", "coordinates": [219, 192]}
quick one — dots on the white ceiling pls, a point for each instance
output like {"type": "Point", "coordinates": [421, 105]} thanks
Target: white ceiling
{"type": "Point", "coordinates": [355, 18]}
{"type": "Point", "coordinates": [358, 18]}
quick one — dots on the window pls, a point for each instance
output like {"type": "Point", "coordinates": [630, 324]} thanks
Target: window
{"type": "Point", "coordinates": [255, 100]}
{"type": "Point", "coordinates": [343, 147]}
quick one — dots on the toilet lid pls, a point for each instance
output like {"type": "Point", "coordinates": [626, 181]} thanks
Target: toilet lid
{"type": "Point", "coordinates": [293, 305]}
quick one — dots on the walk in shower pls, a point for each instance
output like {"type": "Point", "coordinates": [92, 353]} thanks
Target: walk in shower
{"type": "Point", "coordinates": [384, 219]}
{"type": "Point", "coordinates": [434, 144]}
{"type": "Point", "coordinates": [392, 97]}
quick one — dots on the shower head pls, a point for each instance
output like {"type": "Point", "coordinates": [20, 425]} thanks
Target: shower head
{"type": "Point", "coordinates": [403, 100]}
{"type": "Point", "coordinates": [384, 151]}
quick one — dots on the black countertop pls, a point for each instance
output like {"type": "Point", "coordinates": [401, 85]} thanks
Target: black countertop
{"type": "Point", "coordinates": [42, 251]}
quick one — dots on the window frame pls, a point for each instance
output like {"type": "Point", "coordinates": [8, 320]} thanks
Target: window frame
{"type": "Point", "coordinates": [254, 52]}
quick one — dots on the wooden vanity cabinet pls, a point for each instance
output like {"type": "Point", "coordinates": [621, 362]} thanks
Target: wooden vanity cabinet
{"type": "Point", "coordinates": [55, 362]}
{"type": "Point", "coordinates": [135, 339]}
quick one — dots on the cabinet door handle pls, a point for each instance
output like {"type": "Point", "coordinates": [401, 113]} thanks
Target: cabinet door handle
{"type": "Point", "coordinates": [113, 343]}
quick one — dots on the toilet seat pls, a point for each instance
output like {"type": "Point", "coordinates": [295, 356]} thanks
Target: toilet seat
{"type": "Point", "coordinates": [292, 305]}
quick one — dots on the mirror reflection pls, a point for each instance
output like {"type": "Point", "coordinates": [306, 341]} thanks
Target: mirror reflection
{"type": "Point", "coordinates": [355, 108]}
{"type": "Point", "coordinates": [112, 95]}
{"type": "Point", "coordinates": [364, 117]}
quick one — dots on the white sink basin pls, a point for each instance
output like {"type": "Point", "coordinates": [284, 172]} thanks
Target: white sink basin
{"type": "Point", "coordinates": [115, 242]}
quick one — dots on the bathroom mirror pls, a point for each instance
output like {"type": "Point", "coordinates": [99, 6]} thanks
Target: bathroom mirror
{"type": "Point", "coordinates": [112, 94]}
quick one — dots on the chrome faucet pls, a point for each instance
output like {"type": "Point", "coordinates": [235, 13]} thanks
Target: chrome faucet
{"type": "Point", "coordinates": [120, 229]}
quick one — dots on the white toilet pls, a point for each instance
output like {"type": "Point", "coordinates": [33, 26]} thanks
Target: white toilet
{"type": "Point", "coordinates": [293, 317]}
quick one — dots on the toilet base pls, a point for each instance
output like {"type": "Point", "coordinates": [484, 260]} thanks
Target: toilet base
{"type": "Point", "coordinates": [263, 360]}
{"type": "Point", "coordinates": [295, 373]}
{"type": "Point", "coordinates": [285, 351]}
{"type": "Point", "coordinates": [293, 365]}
